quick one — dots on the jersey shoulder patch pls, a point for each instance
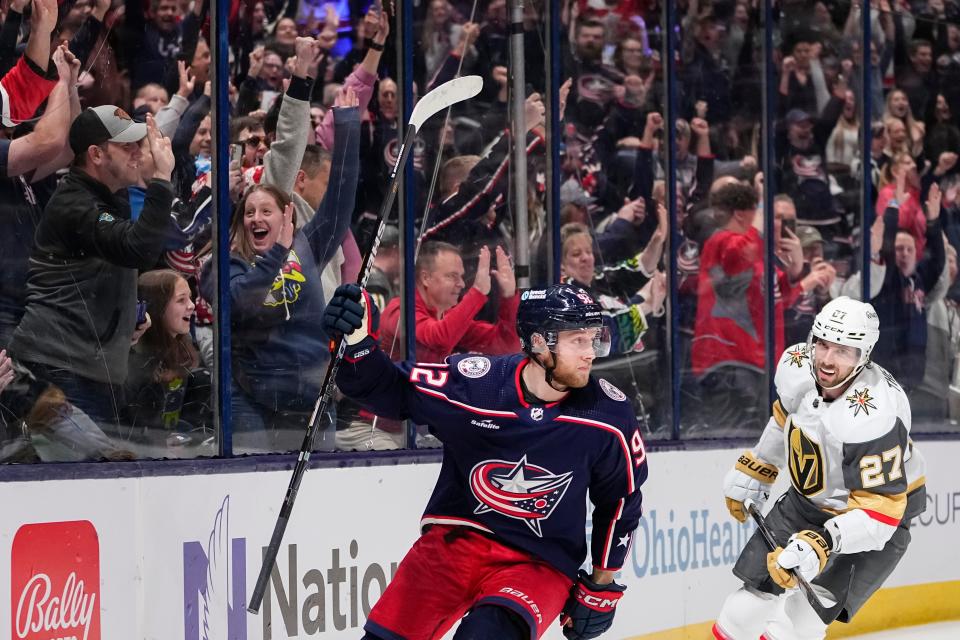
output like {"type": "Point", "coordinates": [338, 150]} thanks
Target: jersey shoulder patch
{"type": "Point", "coordinates": [474, 366]}
{"type": "Point", "coordinates": [793, 379]}
{"type": "Point", "coordinates": [870, 407]}
{"type": "Point", "coordinates": [611, 390]}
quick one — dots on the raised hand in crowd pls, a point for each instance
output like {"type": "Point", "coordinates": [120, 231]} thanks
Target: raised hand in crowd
{"type": "Point", "coordinates": [653, 125]}
{"type": "Point", "coordinates": [790, 251]}
{"type": "Point", "coordinates": [469, 35]}
{"type": "Point", "coordinates": [42, 24]}
{"type": "Point", "coordinates": [482, 282]}
{"type": "Point", "coordinates": [68, 67]}
{"type": "Point", "coordinates": [161, 151]}
{"type": "Point", "coordinates": [934, 198]}
{"type": "Point", "coordinates": [187, 81]}
{"type": "Point", "coordinates": [6, 370]}
{"type": "Point", "coordinates": [700, 108]}
{"type": "Point", "coordinates": [946, 162]}
{"type": "Point", "coordinates": [381, 30]}
{"type": "Point", "coordinates": [633, 211]}
{"type": "Point", "coordinates": [534, 111]}
{"type": "Point", "coordinates": [701, 128]}
{"type": "Point", "coordinates": [256, 61]}
{"type": "Point", "coordinates": [564, 94]}
{"type": "Point", "coordinates": [346, 97]}
{"type": "Point", "coordinates": [18, 5]}
{"type": "Point", "coordinates": [504, 273]}
{"type": "Point", "coordinates": [306, 58]}
{"type": "Point", "coordinates": [331, 23]}
{"type": "Point", "coordinates": [286, 231]}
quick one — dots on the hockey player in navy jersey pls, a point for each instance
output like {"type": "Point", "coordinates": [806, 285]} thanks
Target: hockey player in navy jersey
{"type": "Point", "coordinates": [527, 438]}
{"type": "Point", "coordinates": [841, 426]}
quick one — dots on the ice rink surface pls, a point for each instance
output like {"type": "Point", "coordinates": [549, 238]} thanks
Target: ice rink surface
{"type": "Point", "coordinates": [937, 631]}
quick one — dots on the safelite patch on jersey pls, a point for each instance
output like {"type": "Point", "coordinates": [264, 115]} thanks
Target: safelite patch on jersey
{"type": "Point", "coordinates": [612, 391]}
{"type": "Point", "coordinates": [475, 367]}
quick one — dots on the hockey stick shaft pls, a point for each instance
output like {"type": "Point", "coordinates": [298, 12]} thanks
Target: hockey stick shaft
{"type": "Point", "coordinates": [825, 613]}
{"type": "Point", "coordinates": [438, 99]}
{"type": "Point", "coordinates": [326, 394]}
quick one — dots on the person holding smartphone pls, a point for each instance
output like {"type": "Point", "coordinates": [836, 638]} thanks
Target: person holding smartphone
{"type": "Point", "coordinates": [729, 347]}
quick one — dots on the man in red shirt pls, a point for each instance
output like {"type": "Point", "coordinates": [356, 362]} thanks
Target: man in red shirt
{"type": "Point", "coordinates": [445, 324]}
{"type": "Point", "coordinates": [729, 351]}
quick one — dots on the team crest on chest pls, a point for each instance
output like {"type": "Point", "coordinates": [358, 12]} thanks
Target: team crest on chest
{"type": "Point", "coordinates": [518, 490]}
{"type": "Point", "coordinates": [805, 461]}
{"type": "Point", "coordinates": [474, 367]}
{"type": "Point", "coordinates": [612, 392]}
{"type": "Point", "coordinates": [861, 400]}
{"type": "Point", "coordinates": [536, 413]}
{"type": "Point", "coordinates": [797, 357]}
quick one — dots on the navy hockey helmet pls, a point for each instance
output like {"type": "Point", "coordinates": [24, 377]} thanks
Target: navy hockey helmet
{"type": "Point", "coordinates": [561, 307]}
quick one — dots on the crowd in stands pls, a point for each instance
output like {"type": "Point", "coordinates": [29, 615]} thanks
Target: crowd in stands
{"type": "Point", "coordinates": [107, 284]}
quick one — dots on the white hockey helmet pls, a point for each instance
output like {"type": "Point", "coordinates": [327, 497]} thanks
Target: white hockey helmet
{"type": "Point", "coordinates": [848, 322]}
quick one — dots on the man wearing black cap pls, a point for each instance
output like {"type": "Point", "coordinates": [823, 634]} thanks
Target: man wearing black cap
{"type": "Point", "coordinates": [81, 312]}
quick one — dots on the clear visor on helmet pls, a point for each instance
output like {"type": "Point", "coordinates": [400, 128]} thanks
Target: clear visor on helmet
{"type": "Point", "coordinates": [833, 354]}
{"type": "Point", "coordinates": [577, 342]}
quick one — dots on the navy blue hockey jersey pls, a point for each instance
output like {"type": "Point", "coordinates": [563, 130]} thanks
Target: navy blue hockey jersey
{"type": "Point", "coordinates": [518, 471]}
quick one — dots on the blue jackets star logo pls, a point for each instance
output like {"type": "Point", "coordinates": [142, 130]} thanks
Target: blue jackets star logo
{"type": "Point", "coordinates": [518, 490]}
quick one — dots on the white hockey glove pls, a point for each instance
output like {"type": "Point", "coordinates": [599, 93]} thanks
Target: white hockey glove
{"type": "Point", "coordinates": [806, 553]}
{"type": "Point", "coordinates": [751, 478]}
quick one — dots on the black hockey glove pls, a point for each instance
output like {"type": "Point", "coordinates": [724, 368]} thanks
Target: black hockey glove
{"type": "Point", "coordinates": [353, 314]}
{"type": "Point", "coordinates": [590, 608]}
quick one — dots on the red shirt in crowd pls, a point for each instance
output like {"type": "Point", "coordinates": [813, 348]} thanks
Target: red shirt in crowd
{"type": "Point", "coordinates": [457, 331]}
{"type": "Point", "coordinates": [731, 307]}
{"type": "Point", "coordinates": [912, 219]}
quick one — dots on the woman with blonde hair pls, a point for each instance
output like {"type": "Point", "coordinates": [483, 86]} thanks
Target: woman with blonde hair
{"type": "Point", "coordinates": [898, 106]}
{"type": "Point", "coordinates": [912, 219]}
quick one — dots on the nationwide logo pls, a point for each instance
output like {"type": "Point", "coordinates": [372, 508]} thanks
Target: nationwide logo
{"type": "Point", "coordinates": [214, 584]}
{"type": "Point", "coordinates": [518, 490]}
{"type": "Point", "coordinates": [55, 581]}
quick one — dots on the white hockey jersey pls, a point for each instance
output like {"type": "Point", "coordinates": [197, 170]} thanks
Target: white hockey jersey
{"type": "Point", "coordinates": [852, 453]}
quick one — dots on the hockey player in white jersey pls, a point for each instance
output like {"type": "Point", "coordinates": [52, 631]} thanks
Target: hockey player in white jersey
{"type": "Point", "coordinates": [841, 429]}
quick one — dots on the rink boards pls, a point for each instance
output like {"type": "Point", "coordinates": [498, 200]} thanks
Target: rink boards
{"type": "Point", "coordinates": [170, 557]}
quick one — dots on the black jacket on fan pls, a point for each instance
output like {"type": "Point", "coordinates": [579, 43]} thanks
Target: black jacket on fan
{"type": "Point", "coordinates": [82, 283]}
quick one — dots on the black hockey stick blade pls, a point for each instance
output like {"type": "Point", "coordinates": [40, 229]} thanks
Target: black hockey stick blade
{"type": "Point", "coordinates": [821, 600]}
{"type": "Point", "coordinates": [447, 94]}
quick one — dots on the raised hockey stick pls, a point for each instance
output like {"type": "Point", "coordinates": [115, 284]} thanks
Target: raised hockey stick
{"type": "Point", "coordinates": [819, 598]}
{"type": "Point", "coordinates": [447, 94]}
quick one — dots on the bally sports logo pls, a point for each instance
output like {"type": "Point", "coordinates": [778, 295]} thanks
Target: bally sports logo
{"type": "Point", "coordinates": [55, 581]}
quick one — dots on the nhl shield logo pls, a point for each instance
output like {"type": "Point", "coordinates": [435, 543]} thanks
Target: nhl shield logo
{"type": "Point", "coordinates": [475, 367]}
{"type": "Point", "coordinates": [536, 413]}
{"type": "Point", "coordinates": [518, 490]}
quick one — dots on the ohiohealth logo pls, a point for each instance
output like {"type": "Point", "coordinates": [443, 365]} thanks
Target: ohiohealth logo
{"type": "Point", "coordinates": [214, 583]}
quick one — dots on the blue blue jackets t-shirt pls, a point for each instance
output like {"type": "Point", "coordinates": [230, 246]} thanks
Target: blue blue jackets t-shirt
{"type": "Point", "coordinates": [280, 352]}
